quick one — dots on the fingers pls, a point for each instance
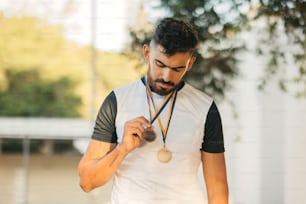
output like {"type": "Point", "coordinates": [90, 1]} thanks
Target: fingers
{"type": "Point", "coordinates": [138, 125]}
{"type": "Point", "coordinates": [142, 121]}
{"type": "Point", "coordinates": [133, 129]}
{"type": "Point", "coordinates": [136, 131]}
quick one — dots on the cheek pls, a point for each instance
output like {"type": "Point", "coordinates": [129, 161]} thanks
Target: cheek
{"type": "Point", "coordinates": [154, 72]}
{"type": "Point", "coordinates": [177, 77]}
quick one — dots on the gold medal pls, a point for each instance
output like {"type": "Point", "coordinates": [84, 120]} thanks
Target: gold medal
{"type": "Point", "coordinates": [164, 155]}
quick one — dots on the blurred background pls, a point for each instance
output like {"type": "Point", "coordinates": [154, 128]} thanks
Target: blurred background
{"type": "Point", "coordinates": [59, 59]}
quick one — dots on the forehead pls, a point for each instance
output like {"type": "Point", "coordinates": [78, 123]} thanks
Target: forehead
{"type": "Point", "coordinates": [178, 59]}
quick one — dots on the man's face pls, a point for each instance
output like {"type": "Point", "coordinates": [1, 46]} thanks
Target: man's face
{"type": "Point", "coordinates": [165, 72]}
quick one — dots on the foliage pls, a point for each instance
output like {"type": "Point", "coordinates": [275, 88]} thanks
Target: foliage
{"type": "Point", "coordinates": [219, 23]}
{"type": "Point", "coordinates": [216, 63]}
{"type": "Point", "coordinates": [29, 43]}
{"type": "Point", "coordinates": [286, 26]}
{"type": "Point", "coordinates": [29, 95]}
{"type": "Point", "coordinates": [44, 74]}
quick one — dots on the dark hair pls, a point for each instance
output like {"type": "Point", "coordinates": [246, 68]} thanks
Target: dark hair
{"type": "Point", "coordinates": [175, 36]}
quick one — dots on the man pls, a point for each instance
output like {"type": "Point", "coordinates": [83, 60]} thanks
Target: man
{"type": "Point", "coordinates": [183, 123]}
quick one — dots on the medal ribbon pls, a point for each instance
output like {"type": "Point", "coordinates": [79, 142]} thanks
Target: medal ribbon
{"type": "Point", "coordinates": [171, 96]}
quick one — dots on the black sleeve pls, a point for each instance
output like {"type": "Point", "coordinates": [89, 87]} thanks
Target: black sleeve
{"type": "Point", "coordinates": [105, 129]}
{"type": "Point", "coordinates": [213, 134]}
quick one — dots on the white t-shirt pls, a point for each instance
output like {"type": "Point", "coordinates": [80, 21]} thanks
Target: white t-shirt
{"type": "Point", "coordinates": [141, 178]}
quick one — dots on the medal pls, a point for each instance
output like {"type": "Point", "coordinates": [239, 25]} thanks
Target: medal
{"type": "Point", "coordinates": [149, 135]}
{"type": "Point", "coordinates": [164, 155]}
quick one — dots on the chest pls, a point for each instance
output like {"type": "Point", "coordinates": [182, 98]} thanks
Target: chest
{"type": "Point", "coordinates": [185, 129]}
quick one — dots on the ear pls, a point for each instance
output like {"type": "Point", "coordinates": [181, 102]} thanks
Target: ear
{"type": "Point", "coordinates": [146, 52]}
{"type": "Point", "coordinates": [191, 62]}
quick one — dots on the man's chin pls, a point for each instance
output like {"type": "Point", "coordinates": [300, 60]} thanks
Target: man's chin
{"type": "Point", "coordinates": [163, 92]}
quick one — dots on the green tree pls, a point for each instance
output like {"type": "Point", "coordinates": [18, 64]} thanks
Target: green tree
{"type": "Point", "coordinates": [285, 21]}
{"type": "Point", "coordinates": [27, 94]}
{"type": "Point", "coordinates": [43, 74]}
{"type": "Point", "coordinates": [216, 63]}
{"type": "Point", "coordinates": [29, 42]}
{"type": "Point", "coordinates": [219, 22]}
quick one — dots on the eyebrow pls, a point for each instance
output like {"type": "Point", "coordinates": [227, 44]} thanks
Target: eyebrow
{"type": "Point", "coordinates": [178, 67]}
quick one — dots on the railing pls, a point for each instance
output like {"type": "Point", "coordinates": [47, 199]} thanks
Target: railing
{"type": "Point", "coordinates": [39, 128]}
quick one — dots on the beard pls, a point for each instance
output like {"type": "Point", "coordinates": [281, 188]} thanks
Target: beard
{"type": "Point", "coordinates": [160, 90]}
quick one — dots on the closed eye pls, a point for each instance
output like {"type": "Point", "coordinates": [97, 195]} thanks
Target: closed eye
{"type": "Point", "coordinates": [162, 65]}
{"type": "Point", "coordinates": [177, 69]}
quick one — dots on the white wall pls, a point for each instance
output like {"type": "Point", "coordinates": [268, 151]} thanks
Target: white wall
{"type": "Point", "coordinates": [266, 145]}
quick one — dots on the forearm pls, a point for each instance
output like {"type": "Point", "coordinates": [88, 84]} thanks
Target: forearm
{"type": "Point", "coordinates": [219, 196]}
{"type": "Point", "coordinates": [102, 159]}
{"type": "Point", "coordinates": [98, 172]}
{"type": "Point", "coordinates": [214, 170]}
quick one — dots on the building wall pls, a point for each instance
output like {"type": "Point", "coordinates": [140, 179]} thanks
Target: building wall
{"type": "Point", "coordinates": [266, 144]}
{"type": "Point", "coordinates": [51, 180]}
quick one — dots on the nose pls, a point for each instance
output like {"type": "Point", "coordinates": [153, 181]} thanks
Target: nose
{"type": "Point", "coordinates": [167, 74]}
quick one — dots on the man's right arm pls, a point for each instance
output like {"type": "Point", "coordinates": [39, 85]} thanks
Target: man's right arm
{"type": "Point", "coordinates": [104, 154]}
{"type": "Point", "coordinates": [99, 162]}
{"type": "Point", "coordinates": [102, 159]}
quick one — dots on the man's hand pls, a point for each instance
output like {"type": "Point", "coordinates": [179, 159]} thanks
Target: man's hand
{"type": "Point", "coordinates": [132, 135]}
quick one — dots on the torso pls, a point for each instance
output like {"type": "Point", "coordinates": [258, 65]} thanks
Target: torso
{"type": "Point", "coordinates": [141, 177]}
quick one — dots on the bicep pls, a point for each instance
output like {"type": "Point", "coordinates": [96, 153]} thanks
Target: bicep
{"type": "Point", "coordinates": [213, 133]}
{"type": "Point", "coordinates": [105, 126]}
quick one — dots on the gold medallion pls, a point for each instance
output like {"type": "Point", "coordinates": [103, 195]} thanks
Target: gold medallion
{"type": "Point", "coordinates": [164, 155]}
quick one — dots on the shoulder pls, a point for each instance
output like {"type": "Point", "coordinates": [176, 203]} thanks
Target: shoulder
{"type": "Point", "coordinates": [129, 87]}
{"type": "Point", "coordinates": [130, 92]}
{"type": "Point", "coordinates": [196, 96]}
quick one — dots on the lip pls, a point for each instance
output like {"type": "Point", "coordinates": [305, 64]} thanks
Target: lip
{"type": "Point", "coordinates": [164, 86]}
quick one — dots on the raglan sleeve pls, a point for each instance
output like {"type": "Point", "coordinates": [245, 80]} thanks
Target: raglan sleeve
{"type": "Point", "coordinates": [105, 128]}
{"type": "Point", "coordinates": [213, 141]}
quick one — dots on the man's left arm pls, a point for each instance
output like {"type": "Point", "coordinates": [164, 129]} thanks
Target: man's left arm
{"type": "Point", "coordinates": [214, 171]}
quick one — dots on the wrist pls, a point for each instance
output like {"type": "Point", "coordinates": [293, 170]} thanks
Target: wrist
{"type": "Point", "coordinates": [121, 149]}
